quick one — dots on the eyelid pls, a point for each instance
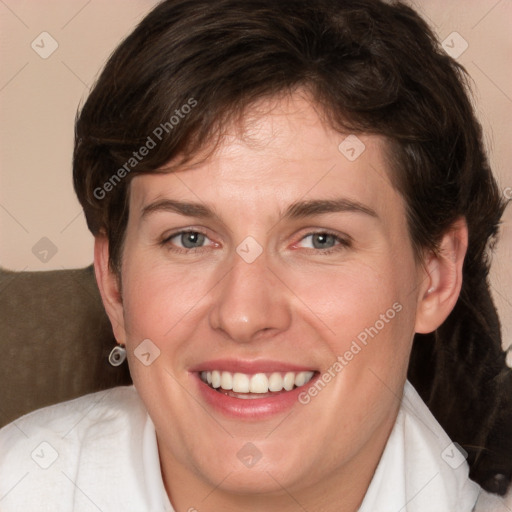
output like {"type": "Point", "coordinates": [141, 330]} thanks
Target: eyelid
{"type": "Point", "coordinates": [167, 237]}
{"type": "Point", "coordinates": [343, 240]}
{"type": "Point", "coordinates": [326, 231]}
{"type": "Point", "coordinates": [165, 241]}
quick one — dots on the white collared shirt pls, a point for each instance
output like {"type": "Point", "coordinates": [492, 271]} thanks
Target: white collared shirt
{"type": "Point", "coordinates": [99, 452]}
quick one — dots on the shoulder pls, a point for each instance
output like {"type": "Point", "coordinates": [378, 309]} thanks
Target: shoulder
{"type": "Point", "coordinates": [75, 418]}
{"type": "Point", "coordinates": [426, 438]}
{"type": "Point", "coordinates": [48, 448]}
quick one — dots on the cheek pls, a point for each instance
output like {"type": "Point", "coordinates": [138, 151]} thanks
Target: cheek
{"type": "Point", "coordinates": [360, 298]}
{"type": "Point", "coordinates": [370, 314]}
{"type": "Point", "coordinates": [153, 306]}
{"type": "Point", "coordinates": [158, 295]}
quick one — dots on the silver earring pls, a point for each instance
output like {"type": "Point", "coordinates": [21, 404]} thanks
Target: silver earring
{"type": "Point", "coordinates": [117, 355]}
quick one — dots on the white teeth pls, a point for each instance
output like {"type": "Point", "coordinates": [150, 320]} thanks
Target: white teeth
{"type": "Point", "coordinates": [289, 381]}
{"type": "Point", "coordinates": [241, 383]}
{"type": "Point", "coordinates": [275, 383]}
{"type": "Point", "coordinates": [258, 383]}
{"type": "Point", "coordinates": [307, 377]}
{"type": "Point", "coordinates": [226, 381]}
{"type": "Point", "coordinates": [216, 379]}
{"type": "Point", "coordinates": [300, 379]}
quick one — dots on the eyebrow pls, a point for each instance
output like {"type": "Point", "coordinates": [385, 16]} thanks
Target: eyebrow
{"type": "Point", "coordinates": [296, 210]}
{"type": "Point", "coordinates": [321, 206]}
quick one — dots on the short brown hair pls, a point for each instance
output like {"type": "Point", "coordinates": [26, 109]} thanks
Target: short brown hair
{"type": "Point", "coordinates": [371, 67]}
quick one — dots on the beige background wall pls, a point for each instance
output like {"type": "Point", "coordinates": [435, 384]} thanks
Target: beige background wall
{"type": "Point", "coordinates": [41, 224]}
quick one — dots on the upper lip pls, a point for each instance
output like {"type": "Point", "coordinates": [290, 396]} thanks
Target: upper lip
{"type": "Point", "coordinates": [249, 366]}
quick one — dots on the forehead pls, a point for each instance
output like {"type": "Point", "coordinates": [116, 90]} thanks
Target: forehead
{"type": "Point", "coordinates": [280, 151]}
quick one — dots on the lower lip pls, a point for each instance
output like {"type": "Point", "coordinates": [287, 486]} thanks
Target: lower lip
{"type": "Point", "coordinates": [252, 408]}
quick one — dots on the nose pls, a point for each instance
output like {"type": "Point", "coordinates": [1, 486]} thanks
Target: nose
{"type": "Point", "coordinates": [251, 301]}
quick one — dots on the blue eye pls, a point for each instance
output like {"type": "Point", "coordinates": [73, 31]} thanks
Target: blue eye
{"type": "Point", "coordinates": [327, 243]}
{"type": "Point", "coordinates": [186, 241]}
{"type": "Point", "coordinates": [324, 240]}
{"type": "Point", "coordinates": [189, 239]}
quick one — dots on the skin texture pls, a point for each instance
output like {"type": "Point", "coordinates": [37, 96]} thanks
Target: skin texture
{"type": "Point", "coordinates": [293, 303]}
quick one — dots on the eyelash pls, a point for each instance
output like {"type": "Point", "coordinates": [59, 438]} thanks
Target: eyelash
{"type": "Point", "coordinates": [344, 243]}
{"type": "Point", "coordinates": [181, 250]}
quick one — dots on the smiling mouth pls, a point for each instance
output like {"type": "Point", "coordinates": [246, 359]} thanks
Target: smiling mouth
{"type": "Point", "coordinates": [254, 386]}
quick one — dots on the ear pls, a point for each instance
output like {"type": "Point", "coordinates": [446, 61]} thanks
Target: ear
{"type": "Point", "coordinates": [109, 286]}
{"type": "Point", "coordinates": [442, 279]}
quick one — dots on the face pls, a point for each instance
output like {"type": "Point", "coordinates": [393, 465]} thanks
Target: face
{"type": "Point", "coordinates": [278, 262]}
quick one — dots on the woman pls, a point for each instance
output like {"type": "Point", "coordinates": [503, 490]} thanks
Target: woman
{"type": "Point", "coordinates": [282, 195]}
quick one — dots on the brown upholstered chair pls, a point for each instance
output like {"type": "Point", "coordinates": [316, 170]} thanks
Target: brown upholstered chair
{"type": "Point", "coordinates": [54, 340]}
